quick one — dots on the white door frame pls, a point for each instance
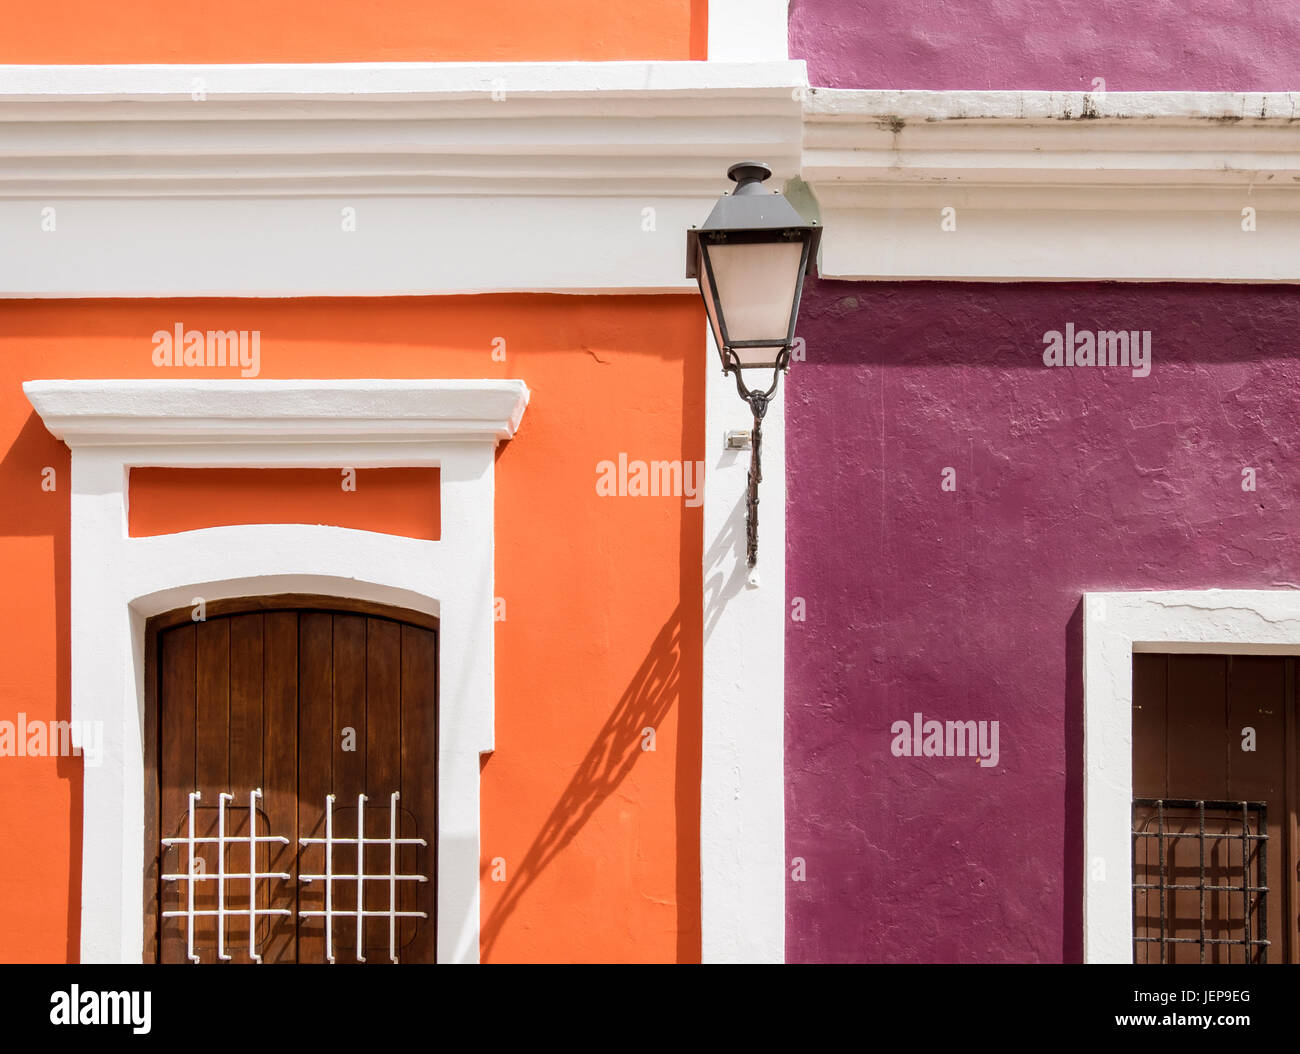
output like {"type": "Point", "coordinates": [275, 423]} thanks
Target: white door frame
{"type": "Point", "coordinates": [119, 582]}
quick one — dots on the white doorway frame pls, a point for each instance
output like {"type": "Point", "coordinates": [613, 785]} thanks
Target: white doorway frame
{"type": "Point", "coordinates": [119, 582]}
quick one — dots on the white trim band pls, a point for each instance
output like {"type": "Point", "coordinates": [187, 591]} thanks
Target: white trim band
{"type": "Point", "coordinates": [374, 179]}
{"type": "Point", "coordinates": [1055, 185]}
{"type": "Point", "coordinates": [742, 779]}
{"type": "Point", "coordinates": [406, 179]}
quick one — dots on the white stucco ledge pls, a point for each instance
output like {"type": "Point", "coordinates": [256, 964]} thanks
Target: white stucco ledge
{"type": "Point", "coordinates": [127, 412]}
{"type": "Point", "coordinates": [1115, 627]}
{"type": "Point", "coordinates": [418, 82]}
{"type": "Point", "coordinates": [1055, 186]}
{"type": "Point", "coordinates": [909, 106]}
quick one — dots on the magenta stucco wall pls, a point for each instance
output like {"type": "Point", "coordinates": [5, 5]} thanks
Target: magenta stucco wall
{"type": "Point", "coordinates": [1050, 45]}
{"type": "Point", "coordinates": [965, 605]}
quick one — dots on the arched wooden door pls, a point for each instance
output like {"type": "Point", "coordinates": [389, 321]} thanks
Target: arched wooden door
{"type": "Point", "coordinates": [280, 725]}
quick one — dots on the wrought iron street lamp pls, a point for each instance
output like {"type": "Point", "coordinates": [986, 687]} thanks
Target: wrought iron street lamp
{"type": "Point", "coordinates": [750, 258]}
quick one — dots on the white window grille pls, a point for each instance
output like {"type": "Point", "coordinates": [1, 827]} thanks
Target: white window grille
{"type": "Point", "coordinates": [392, 877]}
{"type": "Point", "coordinates": [196, 874]}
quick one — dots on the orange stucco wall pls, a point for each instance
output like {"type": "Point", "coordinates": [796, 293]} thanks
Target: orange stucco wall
{"type": "Point", "coordinates": [128, 31]}
{"type": "Point", "coordinates": [401, 501]}
{"type": "Point", "coordinates": [598, 839]}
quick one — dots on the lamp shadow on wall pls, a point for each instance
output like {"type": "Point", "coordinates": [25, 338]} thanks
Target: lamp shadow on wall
{"type": "Point", "coordinates": [670, 675]}
{"type": "Point", "coordinates": [719, 587]}
{"type": "Point", "coordinates": [48, 514]}
{"type": "Point", "coordinates": [650, 695]}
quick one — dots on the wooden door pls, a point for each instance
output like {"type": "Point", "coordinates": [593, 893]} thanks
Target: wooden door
{"type": "Point", "coordinates": [1214, 755]}
{"type": "Point", "coordinates": [331, 713]}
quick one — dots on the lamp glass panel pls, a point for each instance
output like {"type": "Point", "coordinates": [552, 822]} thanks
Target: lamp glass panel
{"type": "Point", "coordinates": [756, 286]}
{"type": "Point", "coordinates": [706, 291]}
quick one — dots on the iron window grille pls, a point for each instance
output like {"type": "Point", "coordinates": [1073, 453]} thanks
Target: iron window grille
{"type": "Point", "coordinates": [1229, 829]}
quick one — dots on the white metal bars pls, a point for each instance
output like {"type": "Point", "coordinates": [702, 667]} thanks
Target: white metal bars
{"type": "Point", "coordinates": [195, 874]}
{"type": "Point", "coordinates": [392, 877]}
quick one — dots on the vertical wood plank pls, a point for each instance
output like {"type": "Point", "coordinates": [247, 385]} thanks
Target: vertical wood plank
{"type": "Point", "coordinates": [1289, 881]}
{"type": "Point", "coordinates": [420, 784]}
{"type": "Point", "coordinates": [1149, 673]}
{"type": "Point", "coordinates": [280, 786]}
{"type": "Point", "coordinates": [1198, 768]}
{"type": "Point", "coordinates": [349, 765]}
{"type": "Point", "coordinates": [176, 660]}
{"type": "Point", "coordinates": [383, 765]}
{"type": "Point", "coordinates": [1198, 716]}
{"type": "Point", "coordinates": [245, 753]}
{"type": "Point", "coordinates": [1257, 700]}
{"type": "Point", "coordinates": [211, 761]}
{"type": "Point", "coordinates": [1149, 780]}
{"type": "Point", "coordinates": [152, 835]}
{"type": "Point", "coordinates": [316, 741]}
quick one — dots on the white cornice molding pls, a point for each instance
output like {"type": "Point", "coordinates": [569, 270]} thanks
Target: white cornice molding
{"type": "Point", "coordinates": [859, 138]}
{"type": "Point", "coordinates": [397, 81]}
{"type": "Point", "coordinates": [1045, 185]}
{"type": "Point", "coordinates": [147, 412]}
{"type": "Point", "coordinates": [414, 179]}
{"type": "Point", "coordinates": [429, 129]}
{"type": "Point", "coordinates": [390, 179]}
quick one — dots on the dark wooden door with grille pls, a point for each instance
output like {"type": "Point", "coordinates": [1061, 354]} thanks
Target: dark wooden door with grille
{"type": "Point", "coordinates": [1214, 811]}
{"type": "Point", "coordinates": [279, 732]}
